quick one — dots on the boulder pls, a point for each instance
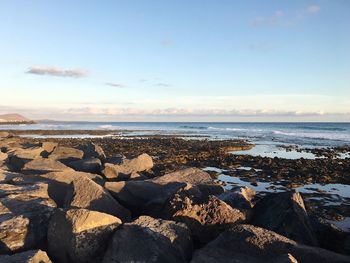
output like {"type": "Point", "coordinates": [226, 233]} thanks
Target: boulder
{"type": "Point", "coordinates": [23, 222]}
{"type": "Point", "coordinates": [3, 156]}
{"type": "Point", "coordinates": [18, 157]}
{"type": "Point", "coordinates": [4, 135]}
{"type": "Point", "coordinates": [34, 190]}
{"type": "Point", "coordinates": [48, 147]}
{"type": "Point", "coordinates": [254, 244]}
{"type": "Point", "coordinates": [44, 165]}
{"type": "Point", "coordinates": [87, 194]}
{"type": "Point", "coordinates": [79, 235]}
{"type": "Point", "coordinates": [31, 256]}
{"type": "Point", "coordinates": [285, 214]}
{"type": "Point", "coordinates": [207, 220]}
{"type": "Point", "coordinates": [89, 165]}
{"type": "Point", "coordinates": [330, 236]}
{"type": "Point", "coordinates": [136, 195]}
{"type": "Point", "coordinates": [128, 166]}
{"type": "Point", "coordinates": [150, 240]}
{"type": "Point", "coordinates": [239, 198]}
{"type": "Point", "coordinates": [189, 175]}
{"type": "Point", "coordinates": [92, 150]}
{"type": "Point", "coordinates": [66, 154]}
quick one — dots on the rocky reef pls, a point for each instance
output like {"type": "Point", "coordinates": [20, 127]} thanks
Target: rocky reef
{"type": "Point", "coordinates": [148, 200]}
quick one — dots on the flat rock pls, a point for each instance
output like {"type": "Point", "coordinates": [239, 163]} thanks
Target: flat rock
{"type": "Point", "coordinates": [254, 244]}
{"type": "Point", "coordinates": [18, 157]}
{"type": "Point", "coordinates": [66, 154]}
{"type": "Point", "coordinates": [34, 190]}
{"type": "Point", "coordinates": [31, 256]}
{"type": "Point", "coordinates": [44, 165]}
{"type": "Point", "coordinates": [128, 166]}
{"type": "Point", "coordinates": [285, 214]}
{"type": "Point", "coordinates": [79, 235]}
{"type": "Point", "coordinates": [23, 222]}
{"type": "Point", "coordinates": [150, 240]}
{"type": "Point", "coordinates": [4, 135]}
{"type": "Point", "coordinates": [87, 194]}
{"type": "Point", "coordinates": [189, 175]}
{"type": "Point", "coordinates": [89, 165]}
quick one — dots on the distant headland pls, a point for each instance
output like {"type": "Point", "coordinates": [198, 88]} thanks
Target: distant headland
{"type": "Point", "coordinates": [14, 118]}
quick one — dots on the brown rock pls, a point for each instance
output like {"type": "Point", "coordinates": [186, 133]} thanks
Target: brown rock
{"type": "Point", "coordinates": [66, 154]}
{"type": "Point", "coordinates": [18, 157]}
{"type": "Point", "coordinates": [44, 165]}
{"type": "Point", "coordinates": [89, 165]}
{"type": "Point", "coordinates": [150, 240]}
{"type": "Point", "coordinates": [31, 256]}
{"type": "Point", "coordinates": [92, 150]}
{"type": "Point", "coordinates": [189, 175]}
{"type": "Point", "coordinates": [23, 222]}
{"type": "Point", "coordinates": [128, 166]}
{"type": "Point", "coordinates": [87, 194]}
{"type": "Point", "coordinates": [79, 235]}
{"type": "Point", "coordinates": [49, 146]}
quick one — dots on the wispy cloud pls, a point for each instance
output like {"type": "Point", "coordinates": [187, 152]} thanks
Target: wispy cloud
{"type": "Point", "coordinates": [57, 72]}
{"type": "Point", "coordinates": [268, 20]}
{"type": "Point", "coordinates": [116, 85]}
{"type": "Point", "coordinates": [161, 84]}
{"type": "Point", "coordinates": [313, 9]}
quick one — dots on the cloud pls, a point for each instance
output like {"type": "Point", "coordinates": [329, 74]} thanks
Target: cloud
{"type": "Point", "coordinates": [116, 85]}
{"type": "Point", "coordinates": [161, 84]}
{"type": "Point", "coordinates": [313, 9]}
{"type": "Point", "coordinates": [269, 20]}
{"type": "Point", "coordinates": [57, 72]}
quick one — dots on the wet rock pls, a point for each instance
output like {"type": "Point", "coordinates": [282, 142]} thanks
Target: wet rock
{"type": "Point", "coordinates": [66, 154]}
{"type": "Point", "coordinates": [239, 198]}
{"type": "Point", "coordinates": [44, 165]}
{"type": "Point", "coordinates": [23, 222]}
{"type": "Point", "coordinates": [150, 240]}
{"type": "Point", "coordinates": [207, 220]}
{"type": "Point", "coordinates": [89, 165]}
{"type": "Point", "coordinates": [136, 195]}
{"type": "Point", "coordinates": [92, 150]}
{"type": "Point", "coordinates": [87, 194]}
{"type": "Point", "coordinates": [254, 244]}
{"type": "Point", "coordinates": [79, 235]}
{"type": "Point", "coordinates": [189, 175]}
{"type": "Point", "coordinates": [18, 157]}
{"type": "Point", "coordinates": [128, 166]}
{"type": "Point", "coordinates": [285, 214]}
{"type": "Point", "coordinates": [31, 256]}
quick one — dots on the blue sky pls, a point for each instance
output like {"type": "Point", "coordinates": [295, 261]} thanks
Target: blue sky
{"type": "Point", "coordinates": [203, 60]}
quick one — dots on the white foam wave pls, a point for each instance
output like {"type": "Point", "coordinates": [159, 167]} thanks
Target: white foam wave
{"type": "Point", "coordinates": [328, 136]}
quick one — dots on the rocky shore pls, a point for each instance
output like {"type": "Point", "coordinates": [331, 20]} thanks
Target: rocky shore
{"type": "Point", "coordinates": [149, 200]}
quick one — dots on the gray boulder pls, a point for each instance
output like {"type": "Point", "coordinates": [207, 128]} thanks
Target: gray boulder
{"type": "Point", "coordinates": [285, 214]}
{"type": "Point", "coordinates": [254, 244]}
{"type": "Point", "coordinates": [79, 235]}
{"type": "Point", "coordinates": [150, 240]}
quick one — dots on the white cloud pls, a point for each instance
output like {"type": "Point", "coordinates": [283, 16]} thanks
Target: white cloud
{"type": "Point", "coordinates": [116, 85]}
{"type": "Point", "coordinates": [269, 20]}
{"type": "Point", "coordinates": [312, 9]}
{"type": "Point", "coordinates": [57, 72]}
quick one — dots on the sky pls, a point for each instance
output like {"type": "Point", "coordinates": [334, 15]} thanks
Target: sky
{"type": "Point", "coordinates": [183, 60]}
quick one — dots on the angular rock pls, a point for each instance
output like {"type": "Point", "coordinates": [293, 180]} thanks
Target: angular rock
{"type": "Point", "coordinates": [89, 165]}
{"type": "Point", "coordinates": [33, 190]}
{"type": "Point", "coordinates": [150, 240]}
{"type": "Point", "coordinates": [254, 244]}
{"type": "Point", "coordinates": [3, 156]}
{"type": "Point", "coordinates": [207, 220]}
{"type": "Point", "coordinates": [285, 214]}
{"type": "Point", "coordinates": [31, 256]}
{"type": "Point", "coordinates": [128, 166]}
{"type": "Point", "coordinates": [189, 175]}
{"type": "Point", "coordinates": [79, 235]}
{"type": "Point", "coordinates": [87, 194]}
{"type": "Point", "coordinates": [66, 154]}
{"type": "Point", "coordinates": [23, 222]}
{"type": "Point", "coordinates": [18, 157]}
{"type": "Point", "coordinates": [92, 150]}
{"type": "Point", "coordinates": [44, 165]}
{"type": "Point", "coordinates": [136, 195]}
{"type": "Point", "coordinates": [48, 148]}
{"type": "Point", "coordinates": [239, 198]}
{"type": "Point", "coordinates": [4, 135]}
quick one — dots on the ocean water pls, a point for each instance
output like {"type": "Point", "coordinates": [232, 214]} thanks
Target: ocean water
{"type": "Point", "coordinates": [302, 134]}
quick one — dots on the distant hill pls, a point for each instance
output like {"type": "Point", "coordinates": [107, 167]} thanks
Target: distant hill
{"type": "Point", "coordinates": [14, 118]}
